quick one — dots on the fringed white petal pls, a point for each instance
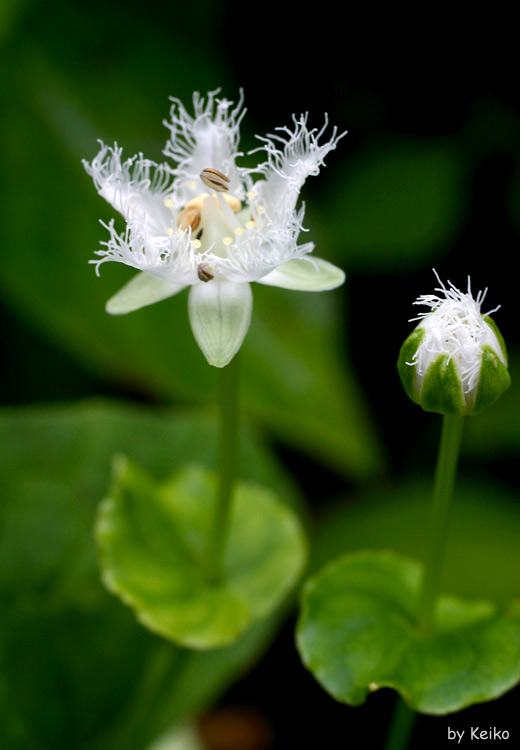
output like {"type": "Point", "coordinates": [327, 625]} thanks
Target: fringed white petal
{"type": "Point", "coordinates": [292, 156]}
{"type": "Point", "coordinates": [136, 187]}
{"type": "Point", "coordinates": [308, 274]}
{"type": "Point", "coordinates": [209, 139]}
{"type": "Point", "coordinates": [140, 291]}
{"type": "Point", "coordinates": [220, 314]}
{"type": "Point", "coordinates": [166, 257]}
{"type": "Point", "coordinates": [178, 236]}
{"type": "Point", "coordinates": [254, 256]}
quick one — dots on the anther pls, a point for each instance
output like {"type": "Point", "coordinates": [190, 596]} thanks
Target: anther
{"type": "Point", "coordinates": [214, 179]}
{"type": "Point", "coordinates": [189, 218]}
{"type": "Point", "coordinates": [205, 272]}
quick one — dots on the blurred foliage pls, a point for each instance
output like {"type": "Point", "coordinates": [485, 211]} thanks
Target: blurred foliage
{"type": "Point", "coordinates": [497, 431]}
{"type": "Point", "coordinates": [482, 549]}
{"type": "Point", "coordinates": [184, 738]}
{"type": "Point", "coordinates": [75, 666]}
{"type": "Point", "coordinates": [400, 202]}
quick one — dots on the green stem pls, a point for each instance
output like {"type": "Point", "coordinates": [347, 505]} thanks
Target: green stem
{"type": "Point", "coordinates": [227, 463]}
{"type": "Point", "coordinates": [443, 489]}
{"type": "Point", "coordinates": [403, 719]}
{"type": "Point", "coordinates": [401, 728]}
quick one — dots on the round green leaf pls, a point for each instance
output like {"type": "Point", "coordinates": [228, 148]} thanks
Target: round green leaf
{"type": "Point", "coordinates": [151, 541]}
{"type": "Point", "coordinates": [358, 633]}
{"type": "Point", "coordinates": [60, 629]}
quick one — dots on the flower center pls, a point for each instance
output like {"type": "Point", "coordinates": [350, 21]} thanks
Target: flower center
{"type": "Point", "coordinates": [215, 220]}
{"type": "Point", "coordinates": [211, 218]}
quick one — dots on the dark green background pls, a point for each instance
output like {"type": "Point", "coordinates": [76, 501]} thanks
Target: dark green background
{"type": "Point", "coordinates": [427, 177]}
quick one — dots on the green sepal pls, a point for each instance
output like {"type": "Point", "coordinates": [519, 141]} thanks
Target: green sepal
{"type": "Point", "coordinates": [220, 314]}
{"type": "Point", "coordinates": [407, 371]}
{"type": "Point", "coordinates": [493, 381]}
{"type": "Point", "coordinates": [307, 274]}
{"type": "Point", "coordinates": [142, 290]}
{"type": "Point", "coordinates": [151, 540]}
{"type": "Point", "coordinates": [442, 388]}
{"type": "Point", "coordinates": [491, 323]}
{"type": "Point", "coordinates": [358, 633]}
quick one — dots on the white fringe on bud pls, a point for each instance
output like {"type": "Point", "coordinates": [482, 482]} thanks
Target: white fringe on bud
{"type": "Point", "coordinates": [455, 326]}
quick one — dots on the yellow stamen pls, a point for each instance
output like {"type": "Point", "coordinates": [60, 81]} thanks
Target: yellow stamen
{"type": "Point", "coordinates": [189, 218]}
{"type": "Point", "coordinates": [198, 202]}
{"type": "Point", "coordinates": [233, 203]}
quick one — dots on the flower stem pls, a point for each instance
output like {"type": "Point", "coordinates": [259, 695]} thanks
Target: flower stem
{"type": "Point", "coordinates": [443, 489]}
{"type": "Point", "coordinates": [403, 719]}
{"type": "Point", "coordinates": [401, 727]}
{"type": "Point", "coordinates": [227, 463]}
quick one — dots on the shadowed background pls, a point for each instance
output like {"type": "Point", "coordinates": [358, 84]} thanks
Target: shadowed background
{"type": "Point", "coordinates": [428, 176]}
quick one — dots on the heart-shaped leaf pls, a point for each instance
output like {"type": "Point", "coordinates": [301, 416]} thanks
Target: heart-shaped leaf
{"type": "Point", "coordinates": [358, 633]}
{"type": "Point", "coordinates": [152, 540]}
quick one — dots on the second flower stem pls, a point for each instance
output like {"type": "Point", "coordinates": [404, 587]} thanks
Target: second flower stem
{"type": "Point", "coordinates": [227, 465]}
{"type": "Point", "coordinates": [447, 461]}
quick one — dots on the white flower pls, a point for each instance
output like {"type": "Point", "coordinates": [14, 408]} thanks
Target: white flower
{"type": "Point", "coordinates": [207, 223]}
{"type": "Point", "coordinates": [457, 353]}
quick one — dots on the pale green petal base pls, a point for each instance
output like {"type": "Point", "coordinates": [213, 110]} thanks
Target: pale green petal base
{"type": "Point", "coordinates": [220, 314]}
{"type": "Point", "coordinates": [305, 275]}
{"type": "Point", "coordinates": [140, 291]}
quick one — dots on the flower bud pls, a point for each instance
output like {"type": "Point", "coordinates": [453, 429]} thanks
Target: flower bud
{"type": "Point", "coordinates": [455, 360]}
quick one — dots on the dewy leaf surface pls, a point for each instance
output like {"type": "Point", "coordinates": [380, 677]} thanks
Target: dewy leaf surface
{"type": "Point", "coordinates": [152, 539]}
{"type": "Point", "coordinates": [357, 633]}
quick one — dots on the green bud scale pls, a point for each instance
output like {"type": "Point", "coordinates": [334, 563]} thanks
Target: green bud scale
{"type": "Point", "coordinates": [455, 360]}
